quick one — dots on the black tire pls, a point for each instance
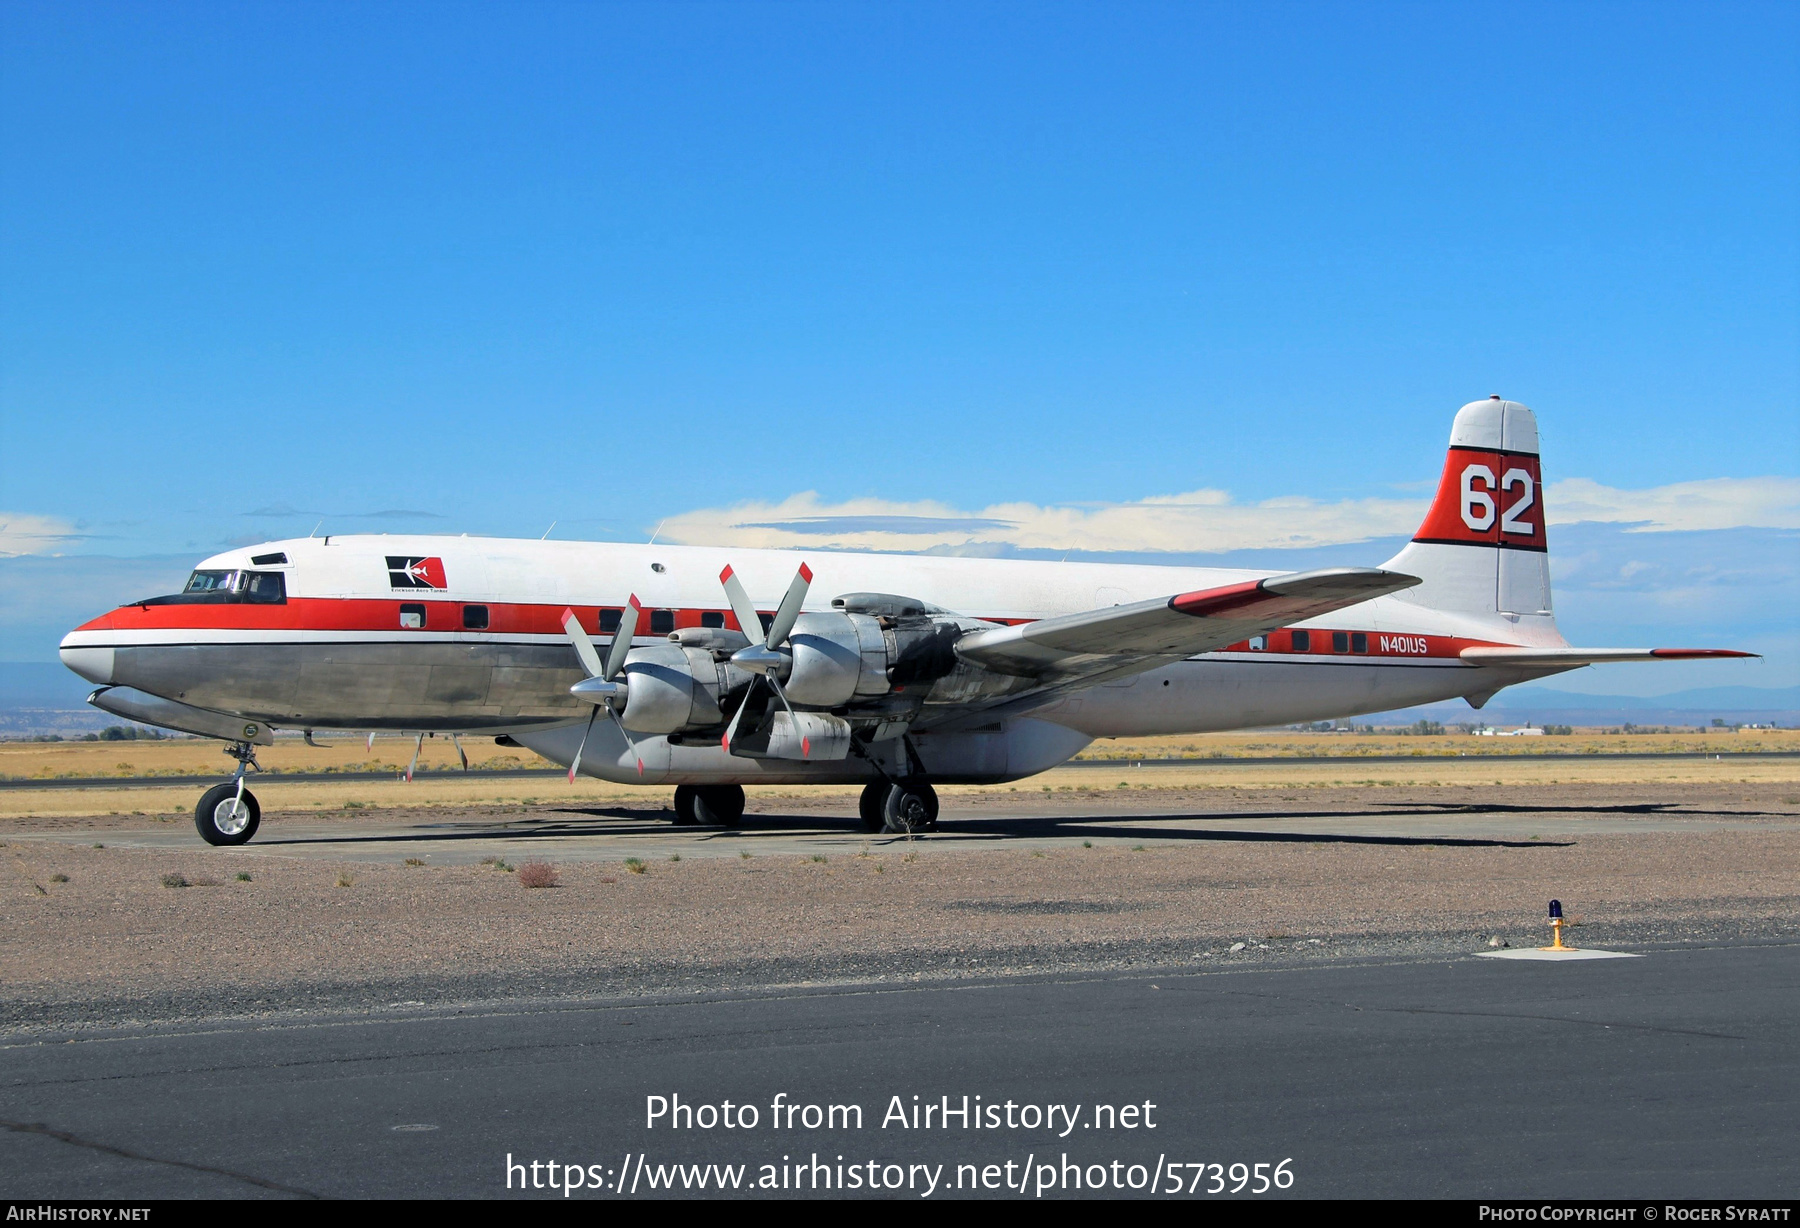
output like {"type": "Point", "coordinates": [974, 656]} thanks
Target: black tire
{"type": "Point", "coordinates": [215, 821]}
{"type": "Point", "coordinates": [686, 798]}
{"type": "Point", "coordinates": [719, 805]}
{"type": "Point", "coordinates": [910, 808]}
{"type": "Point", "coordinates": [868, 806]}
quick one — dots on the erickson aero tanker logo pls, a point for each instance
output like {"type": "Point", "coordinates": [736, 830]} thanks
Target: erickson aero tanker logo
{"type": "Point", "coordinates": [405, 571]}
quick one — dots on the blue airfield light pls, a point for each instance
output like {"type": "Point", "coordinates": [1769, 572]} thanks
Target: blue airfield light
{"type": "Point", "coordinates": [1556, 928]}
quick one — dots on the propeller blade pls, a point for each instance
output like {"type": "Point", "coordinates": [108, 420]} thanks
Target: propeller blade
{"type": "Point", "coordinates": [748, 622]}
{"type": "Point", "coordinates": [413, 766]}
{"type": "Point", "coordinates": [790, 608]}
{"type": "Point", "coordinates": [575, 763]}
{"type": "Point", "coordinates": [621, 643]}
{"type": "Point", "coordinates": [584, 647]}
{"type": "Point", "coordinates": [369, 747]}
{"type": "Point", "coordinates": [805, 742]}
{"type": "Point", "coordinates": [626, 734]}
{"type": "Point", "coordinates": [731, 729]}
{"type": "Point", "coordinates": [460, 752]}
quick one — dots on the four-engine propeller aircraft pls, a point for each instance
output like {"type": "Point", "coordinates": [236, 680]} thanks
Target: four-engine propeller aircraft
{"type": "Point", "coordinates": [722, 668]}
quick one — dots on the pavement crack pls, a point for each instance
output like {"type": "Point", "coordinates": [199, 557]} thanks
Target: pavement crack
{"type": "Point", "coordinates": [1604, 1024]}
{"type": "Point", "coordinates": [75, 1140]}
{"type": "Point", "coordinates": [1597, 1023]}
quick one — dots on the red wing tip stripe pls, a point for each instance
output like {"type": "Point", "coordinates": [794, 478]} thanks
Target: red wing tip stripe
{"type": "Point", "coordinates": [1687, 654]}
{"type": "Point", "coordinates": [806, 573]}
{"type": "Point", "coordinates": [1216, 600]}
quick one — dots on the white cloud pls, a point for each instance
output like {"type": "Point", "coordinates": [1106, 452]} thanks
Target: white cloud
{"type": "Point", "coordinates": [1715, 503]}
{"type": "Point", "coordinates": [1202, 520]}
{"type": "Point", "coordinates": [26, 534]}
{"type": "Point", "coordinates": [1205, 521]}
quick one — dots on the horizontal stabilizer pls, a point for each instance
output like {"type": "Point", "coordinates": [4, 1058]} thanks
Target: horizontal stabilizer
{"type": "Point", "coordinates": [1590, 656]}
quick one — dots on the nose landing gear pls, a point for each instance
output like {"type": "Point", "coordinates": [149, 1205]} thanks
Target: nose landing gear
{"type": "Point", "coordinates": [229, 813]}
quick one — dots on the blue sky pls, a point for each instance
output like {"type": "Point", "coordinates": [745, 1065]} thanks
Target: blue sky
{"type": "Point", "coordinates": [481, 268]}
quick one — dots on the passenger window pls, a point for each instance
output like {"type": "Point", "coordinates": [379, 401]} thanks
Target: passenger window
{"type": "Point", "coordinates": [1258, 643]}
{"type": "Point", "coordinates": [412, 616]}
{"type": "Point", "coordinates": [1340, 641]}
{"type": "Point", "coordinates": [609, 621]}
{"type": "Point", "coordinates": [662, 622]}
{"type": "Point", "coordinates": [1359, 642]}
{"type": "Point", "coordinates": [712, 618]}
{"type": "Point", "coordinates": [1302, 642]}
{"type": "Point", "coordinates": [475, 618]}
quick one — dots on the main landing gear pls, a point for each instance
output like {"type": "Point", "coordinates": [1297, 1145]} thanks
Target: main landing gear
{"type": "Point", "coordinates": [708, 805]}
{"type": "Point", "coordinates": [229, 813]}
{"type": "Point", "coordinates": [897, 808]}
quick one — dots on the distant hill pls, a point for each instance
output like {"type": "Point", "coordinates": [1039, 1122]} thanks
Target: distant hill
{"type": "Point", "coordinates": [39, 698]}
{"type": "Point", "coordinates": [1758, 698]}
{"type": "Point", "coordinates": [1542, 705]}
{"type": "Point", "coordinates": [37, 684]}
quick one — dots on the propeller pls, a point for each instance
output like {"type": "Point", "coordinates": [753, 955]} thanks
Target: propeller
{"type": "Point", "coordinates": [600, 688]}
{"type": "Point", "coordinates": [764, 660]}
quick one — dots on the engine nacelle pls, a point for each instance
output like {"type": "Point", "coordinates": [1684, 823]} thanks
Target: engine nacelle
{"type": "Point", "coordinates": [838, 659]}
{"type": "Point", "coordinates": [670, 687]}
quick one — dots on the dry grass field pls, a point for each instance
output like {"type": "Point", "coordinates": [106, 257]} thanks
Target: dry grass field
{"type": "Point", "coordinates": [201, 756]}
{"type": "Point", "coordinates": [1268, 743]}
{"type": "Point", "coordinates": [196, 756]}
{"type": "Point", "coordinates": [372, 779]}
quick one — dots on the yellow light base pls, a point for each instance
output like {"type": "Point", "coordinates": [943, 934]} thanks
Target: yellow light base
{"type": "Point", "coordinates": [1556, 942]}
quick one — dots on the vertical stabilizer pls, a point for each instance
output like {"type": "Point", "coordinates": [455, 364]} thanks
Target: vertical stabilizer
{"type": "Point", "coordinates": [1482, 547]}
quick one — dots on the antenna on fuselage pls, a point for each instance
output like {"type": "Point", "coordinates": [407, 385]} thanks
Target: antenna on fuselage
{"type": "Point", "coordinates": [659, 525]}
{"type": "Point", "coordinates": [315, 529]}
{"type": "Point", "coordinates": [547, 532]}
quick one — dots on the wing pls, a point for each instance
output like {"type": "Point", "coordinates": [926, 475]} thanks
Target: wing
{"type": "Point", "coordinates": [1125, 639]}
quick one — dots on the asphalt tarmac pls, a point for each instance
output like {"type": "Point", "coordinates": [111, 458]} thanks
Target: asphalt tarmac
{"type": "Point", "coordinates": [1672, 1075]}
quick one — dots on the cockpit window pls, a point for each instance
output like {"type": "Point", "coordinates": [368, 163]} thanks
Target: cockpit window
{"type": "Point", "coordinates": [234, 587]}
{"type": "Point", "coordinates": [210, 581]}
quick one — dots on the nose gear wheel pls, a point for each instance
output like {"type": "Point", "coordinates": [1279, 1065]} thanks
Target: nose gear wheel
{"type": "Point", "coordinates": [226, 817]}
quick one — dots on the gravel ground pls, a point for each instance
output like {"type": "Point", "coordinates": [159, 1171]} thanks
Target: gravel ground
{"type": "Point", "coordinates": [92, 937]}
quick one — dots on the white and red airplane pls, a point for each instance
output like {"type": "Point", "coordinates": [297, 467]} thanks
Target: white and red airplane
{"type": "Point", "coordinates": [721, 668]}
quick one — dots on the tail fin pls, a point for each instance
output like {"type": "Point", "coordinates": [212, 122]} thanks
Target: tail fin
{"type": "Point", "coordinates": [1482, 548]}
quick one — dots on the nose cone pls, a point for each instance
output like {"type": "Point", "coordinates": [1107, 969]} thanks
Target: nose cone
{"type": "Point", "coordinates": [91, 662]}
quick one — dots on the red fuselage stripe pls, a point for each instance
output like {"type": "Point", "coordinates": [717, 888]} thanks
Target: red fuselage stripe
{"type": "Point", "coordinates": [382, 616]}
